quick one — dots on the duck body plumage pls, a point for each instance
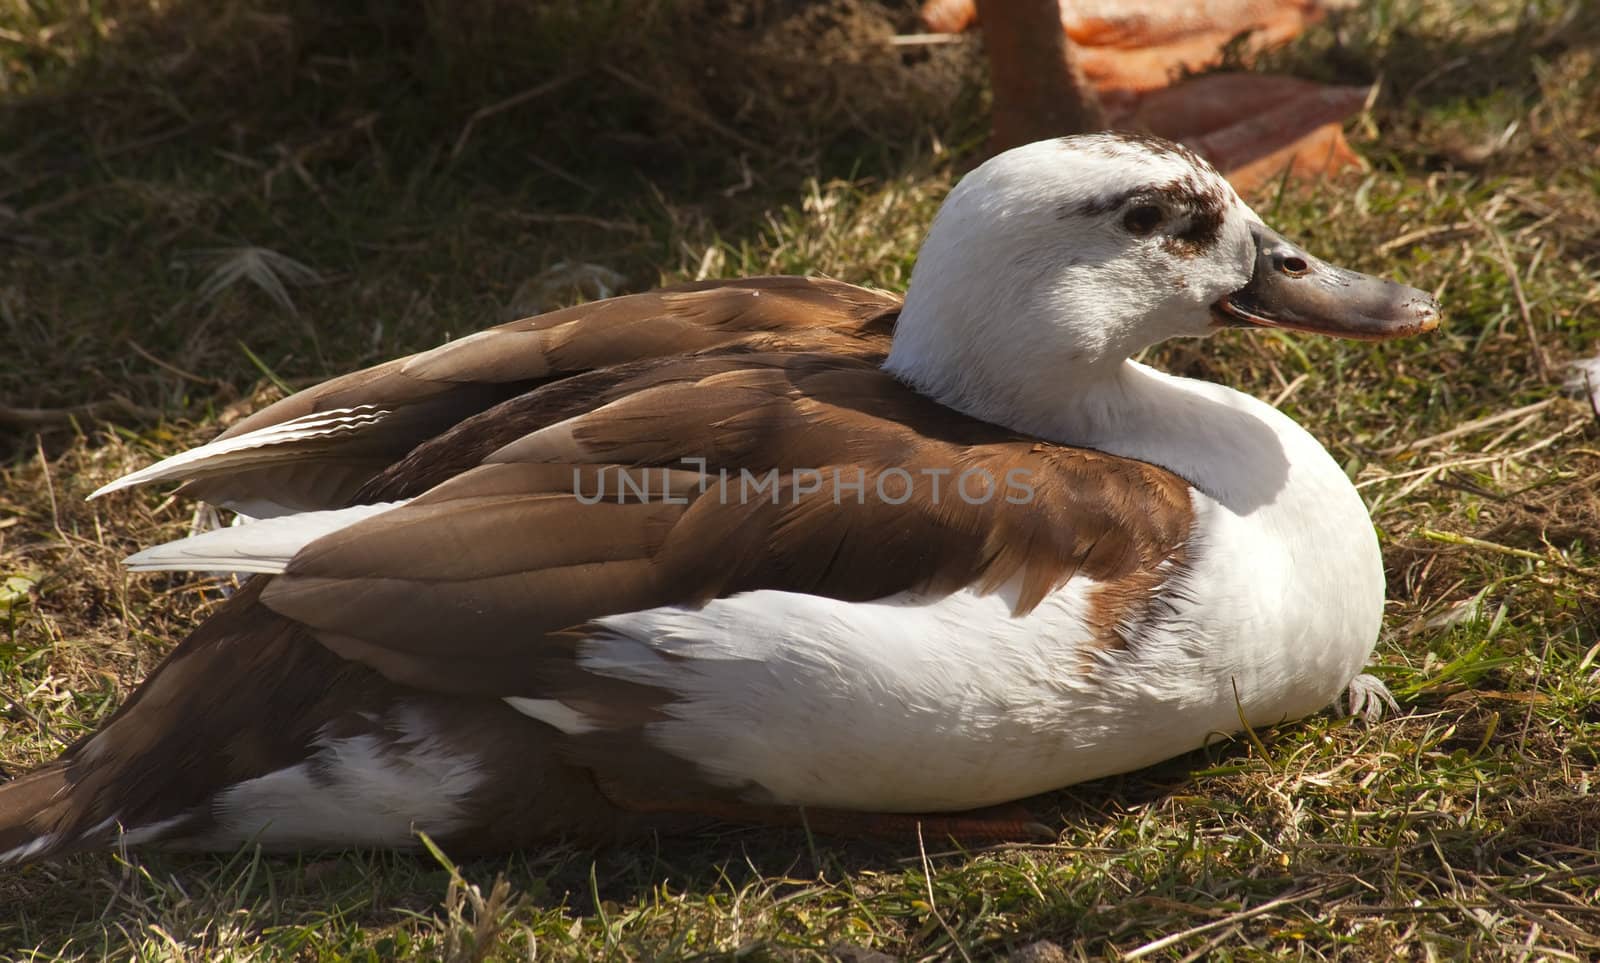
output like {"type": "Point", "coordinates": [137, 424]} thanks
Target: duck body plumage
{"type": "Point", "coordinates": [703, 554]}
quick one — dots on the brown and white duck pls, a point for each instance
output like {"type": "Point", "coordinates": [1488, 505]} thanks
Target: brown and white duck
{"type": "Point", "coordinates": [738, 549]}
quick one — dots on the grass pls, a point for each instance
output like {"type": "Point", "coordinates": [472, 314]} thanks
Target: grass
{"type": "Point", "coordinates": [205, 204]}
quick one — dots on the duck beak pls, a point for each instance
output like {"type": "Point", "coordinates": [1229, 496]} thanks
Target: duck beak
{"type": "Point", "coordinates": [1291, 289]}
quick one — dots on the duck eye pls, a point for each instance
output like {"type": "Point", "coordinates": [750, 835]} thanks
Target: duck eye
{"type": "Point", "coordinates": [1143, 219]}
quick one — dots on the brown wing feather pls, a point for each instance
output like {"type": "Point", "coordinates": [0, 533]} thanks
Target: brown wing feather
{"type": "Point", "coordinates": [466, 588]}
{"type": "Point", "coordinates": [430, 392]}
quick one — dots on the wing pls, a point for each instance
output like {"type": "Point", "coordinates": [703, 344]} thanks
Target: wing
{"type": "Point", "coordinates": [317, 449]}
{"type": "Point", "coordinates": [699, 478]}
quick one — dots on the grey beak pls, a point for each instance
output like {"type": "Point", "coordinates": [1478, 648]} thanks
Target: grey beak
{"type": "Point", "coordinates": [1291, 289]}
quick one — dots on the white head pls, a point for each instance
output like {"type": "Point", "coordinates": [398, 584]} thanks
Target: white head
{"type": "Point", "coordinates": [1052, 263]}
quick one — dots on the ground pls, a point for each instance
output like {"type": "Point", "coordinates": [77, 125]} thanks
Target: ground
{"type": "Point", "coordinates": [204, 203]}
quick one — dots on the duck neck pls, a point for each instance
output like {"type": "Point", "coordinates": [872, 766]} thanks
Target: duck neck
{"type": "Point", "coordinates": [1071, 398]}
{"type": "Point", "coordinates": [1225, 443]}
{"type": "Point", "coordinates": [1064, 387]}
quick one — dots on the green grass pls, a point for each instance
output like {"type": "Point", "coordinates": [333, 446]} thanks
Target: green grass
{"type": "Point", "coordinates": [163, 167]}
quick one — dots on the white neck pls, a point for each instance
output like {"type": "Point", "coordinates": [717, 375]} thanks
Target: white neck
{"type": "Point", "coordinates": [1000, 371]}
{"type": "Point", "coordinates": [1227, 444]}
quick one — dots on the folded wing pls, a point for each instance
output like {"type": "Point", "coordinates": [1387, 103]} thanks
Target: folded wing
{"type": "Point", "coordinates": [318, 448]}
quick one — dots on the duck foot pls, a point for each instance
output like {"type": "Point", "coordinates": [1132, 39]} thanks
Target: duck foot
{"type": "Point", "coordinates": [1369, 697]}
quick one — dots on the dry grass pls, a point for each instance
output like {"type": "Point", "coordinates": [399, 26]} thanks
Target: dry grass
{"type": "Point", "coordinates": [436, 167]}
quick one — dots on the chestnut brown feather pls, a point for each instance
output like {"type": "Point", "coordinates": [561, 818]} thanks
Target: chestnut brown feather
{"type": "Point", "coordinates": [428, 393]}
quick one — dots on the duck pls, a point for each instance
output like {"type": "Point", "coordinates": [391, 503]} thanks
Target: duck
{"type": "Point", "coordinates": [765, 551]}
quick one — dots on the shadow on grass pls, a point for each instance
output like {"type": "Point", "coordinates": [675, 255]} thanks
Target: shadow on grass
{"type": "Point", "coordinates": [90, 898]}
{"type": "Point", "coordinates": [421, 161]}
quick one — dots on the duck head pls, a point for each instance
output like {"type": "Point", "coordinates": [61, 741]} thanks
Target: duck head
{"type": "Point", "coordinates": [1051, 264]}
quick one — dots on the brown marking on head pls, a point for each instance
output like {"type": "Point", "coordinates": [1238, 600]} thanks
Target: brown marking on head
{"type": "Point", "coordinates": [1148, 143]}
{"type": "Point", "coordinates": [1203, 207]}
{"type": "Point", "coordinates": [1097, 206]}
{"type": "Point", "coordinates": [1199, 197]}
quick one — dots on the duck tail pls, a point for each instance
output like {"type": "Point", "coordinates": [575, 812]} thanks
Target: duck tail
{"type": "Point", "coordinates": [198, 726]}
{"type": "Point", "coordinates": [33, 810]}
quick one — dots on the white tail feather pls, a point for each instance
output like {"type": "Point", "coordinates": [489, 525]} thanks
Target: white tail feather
{"type": "Point", "coordinates": [248, 448]}
{"type": "Point", "coordinates": [265, 546]}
